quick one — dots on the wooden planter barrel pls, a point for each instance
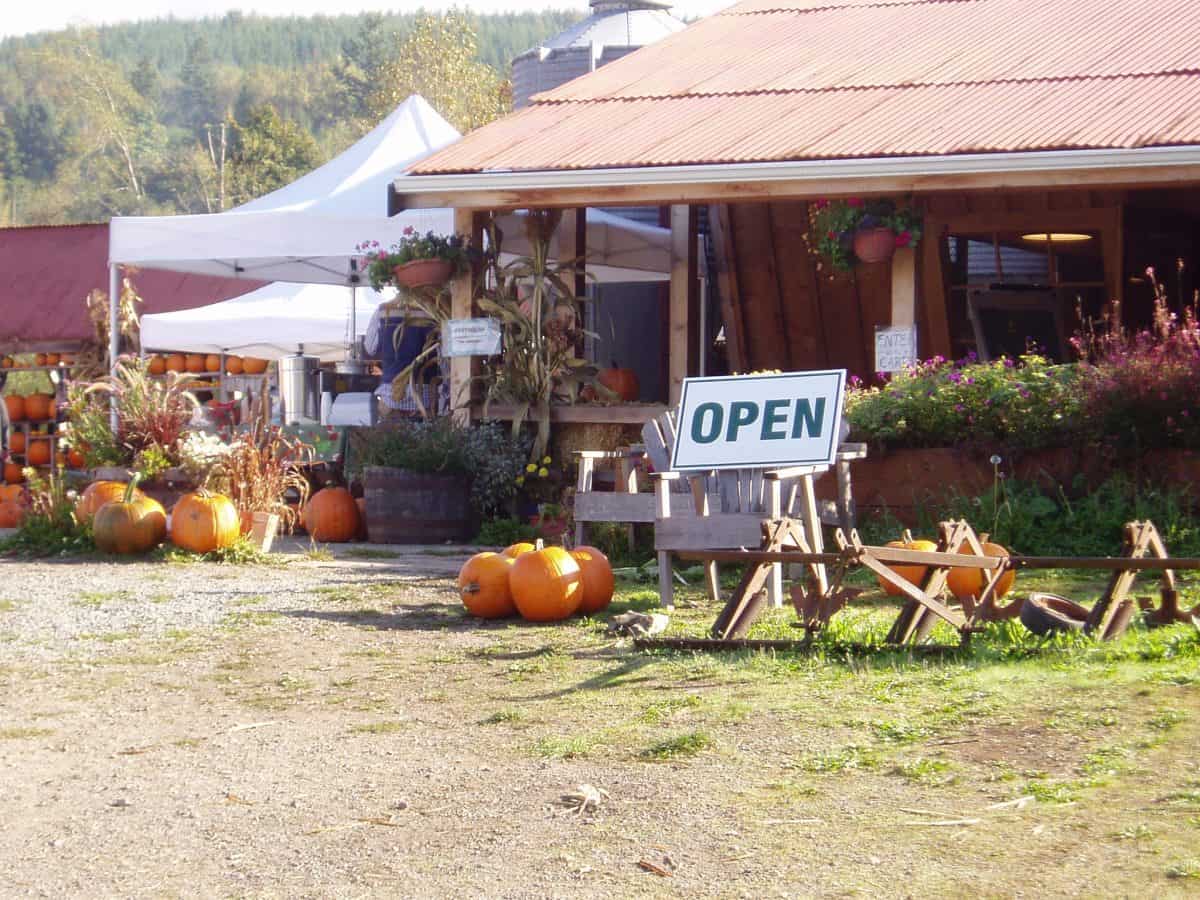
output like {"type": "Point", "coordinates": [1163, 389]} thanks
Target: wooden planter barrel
{"type": "Point", "coordinates": [406, 507]}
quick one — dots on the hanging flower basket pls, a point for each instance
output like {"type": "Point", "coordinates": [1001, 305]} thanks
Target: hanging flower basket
{"type": "Point", "coordinates": [424, 273]}
{"type": "Point", "coordinates": [873, 245]}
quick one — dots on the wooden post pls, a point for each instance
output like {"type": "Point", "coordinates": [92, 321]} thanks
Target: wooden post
{"type": "Point", "coordinates": [681, 350]}
{"type": "Point", "coordinates": [904, 287]}
{"type": "Point", "coordinates": [461, 306]}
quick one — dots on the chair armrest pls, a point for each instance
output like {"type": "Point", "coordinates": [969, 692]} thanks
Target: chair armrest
{"type": "Point", "coordinates": [603, 454]}
{"type": "Point", "coordinates": [794, 472]}
{"type": "Point", "coordinates": [852, 451]}
{"type": "Point", "coordinates": [666, 476]}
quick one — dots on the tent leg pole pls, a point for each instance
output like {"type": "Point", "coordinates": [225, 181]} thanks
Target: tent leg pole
{"type": "Point", "coordinates": [114, 333]}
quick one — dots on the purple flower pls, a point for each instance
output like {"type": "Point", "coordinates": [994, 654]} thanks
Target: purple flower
{"type": "Point", "coordinates": [958, 407]}
{"type": "Point", "coordinates": [956, 377]}
{"type": "Point", "coordinates": [1008, 363]}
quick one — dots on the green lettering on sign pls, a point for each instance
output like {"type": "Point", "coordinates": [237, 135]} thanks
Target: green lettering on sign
{"type": "Point", "coordinates": [808, 420]}
{"type": "Point", "coordinates": [741, 414]}
{"type": "Point", "coordinates": [700, 434]}
{"type": "Point", "coordinates": [773, 415]}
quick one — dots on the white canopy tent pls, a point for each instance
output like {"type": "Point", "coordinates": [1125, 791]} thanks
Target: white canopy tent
{"type": "Point", "coordinates": [307, 233]}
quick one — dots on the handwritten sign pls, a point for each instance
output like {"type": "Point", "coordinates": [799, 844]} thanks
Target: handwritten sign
{"type": "Point", "coordinates": [895, 347]}
{"type": "Point", "coordinates": [759, 421]}
{"type": "Point", "coordinates": [471, 337]}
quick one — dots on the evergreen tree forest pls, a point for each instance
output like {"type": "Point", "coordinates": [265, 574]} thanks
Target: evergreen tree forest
{"type": "Point", "coordinates": [172, 116]}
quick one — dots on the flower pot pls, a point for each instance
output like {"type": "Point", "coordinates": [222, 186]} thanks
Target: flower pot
{"type": "Point", "coordinates": [872, 245]}
{"type": "Point", "coordinates": [424, 273]}
{"type": "Point", "coordinates": [406, 507]}
{"type": "Point", "coordinates": [263, 527]}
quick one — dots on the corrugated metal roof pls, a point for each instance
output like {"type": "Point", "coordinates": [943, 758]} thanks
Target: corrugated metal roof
{"type": "Point", "coordinates": [829, 79]}
{"type": "Point", "coordinates": [47, 271]}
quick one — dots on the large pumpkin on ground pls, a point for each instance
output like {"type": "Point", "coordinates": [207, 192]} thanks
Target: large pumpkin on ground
{"type": "Point", "coordinates": [39, 452]}
{"type": "Point", "coordinates": [12, 473]}
{"type": "Point", "coordinates": [95, 495]}
{"type": "Point", "coordinates": [622, 382]}
{"type": "Point", "coordinates": [176, 362]}
{"type": "Point", "coordinates": [15, 406]}
{"type": "Point", "coordinates": [512, 551]}
{"type": "Point", "coordinates": [157, 365]}
{"type": "Point", "coordinates": [331, 515]}
{"type": "Point", "coordinates": [133, 524]}
{"type": "Point", "coordinates": [546, 585]}
{"type": "Point", "coordinates": [253, 366]}
{"type": "Point", "coordinates": [965, 583]}
{"type": "Point", "coordinates": [16, 443]}
{"type": "Point", "coordinates": [202, 522]}
{"type": "Point", "coordinates": [12, 514]}
{"type": "Point", "coordinates": [597, 575]}
{"type": "Point", "coordinates": [484, 588]}
{"type": "Point", "coordinates": [914, 574]}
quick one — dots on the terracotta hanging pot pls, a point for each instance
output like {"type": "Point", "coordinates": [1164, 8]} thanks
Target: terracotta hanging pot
{"type": "Point", "coordinates": [424, 273]}
{"type": "Point", "coordinates": [872, 245]}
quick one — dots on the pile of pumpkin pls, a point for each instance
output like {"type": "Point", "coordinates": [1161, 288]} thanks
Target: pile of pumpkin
{"type": "Point", "coordinates": [40, 359]}
{"type": "Point", "coordinates": [126, 521]}
{"type": "Point", "coordinates": [199, 363]}
{"type": "Point", "coordinates": [33, 407]}
{"type": "Point", "coordinates": [963, 583]}
{"type": "Point", "coordinates": [542, 584]}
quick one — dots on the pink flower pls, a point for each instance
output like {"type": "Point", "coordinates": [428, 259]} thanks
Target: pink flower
{"type": "Point", "coordinates": [381, 255]}
{"type": "Point", "coordinates": [821, 204]}
{"type": "Point", "coordinates": [409, 230]}
{"type": "Point", "coordinates": [903, 239]}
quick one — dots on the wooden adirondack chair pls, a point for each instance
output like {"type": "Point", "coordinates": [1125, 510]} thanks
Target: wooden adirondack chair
{"type": "Point", "coordinates": [727, 507]}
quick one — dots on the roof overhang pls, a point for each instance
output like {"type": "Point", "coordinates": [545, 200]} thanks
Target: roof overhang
{"type": "Point", "coordinates": [737, 182]}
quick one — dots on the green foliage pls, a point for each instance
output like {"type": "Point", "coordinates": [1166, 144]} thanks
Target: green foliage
{"type": "Point", "coordinates": [268, 152]}
{"type": "Point", "coordinates": [1002, 404]}
{"type": "Point", "coordinates": [503, 532]}
{"type": "Point", "coordinates": [835, 222]}
{"type": "Point", "coordinates": [49, 527]}
{"type": "Point", "coordinates": [411, 247]}
{"type": "Point", "coordinates": [240, 553]}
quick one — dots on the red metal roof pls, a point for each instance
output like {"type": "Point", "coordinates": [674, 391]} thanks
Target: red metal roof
{"type": "Point", "coordinates": [46, 272]}
{"type": "Point", "coordinates": [832, 79]}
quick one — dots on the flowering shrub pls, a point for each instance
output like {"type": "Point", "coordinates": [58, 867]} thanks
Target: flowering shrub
{"type": "Point", "coordinates": [1024, 404]}
{"type": "Point", "coordinates": [411, 247]}
{"type": "Point", "coordinates": [834, 223]}
{"type": "Point", "coordinates": [541, 482]}
{"type": "Point", "coordinates": [1139, 391]}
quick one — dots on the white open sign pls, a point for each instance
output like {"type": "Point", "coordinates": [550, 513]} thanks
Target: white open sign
{"type": "Point", "coordinates": [759, 421]}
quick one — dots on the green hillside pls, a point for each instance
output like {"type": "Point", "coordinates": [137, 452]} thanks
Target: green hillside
{"type": "Point", "coordinates": [128, 119]}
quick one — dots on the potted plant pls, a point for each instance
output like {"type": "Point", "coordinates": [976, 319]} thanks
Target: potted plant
{"type": "Point", "coordinates": [848, 232]}
{"type": "Point", "coordinates": [417, 260]}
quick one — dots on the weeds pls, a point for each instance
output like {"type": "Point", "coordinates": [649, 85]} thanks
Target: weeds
{"type": "Point", "coordinates": [678, 747]}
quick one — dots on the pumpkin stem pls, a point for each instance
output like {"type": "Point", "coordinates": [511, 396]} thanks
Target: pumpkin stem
{"type": "Point", "coordinates": [131, 487]}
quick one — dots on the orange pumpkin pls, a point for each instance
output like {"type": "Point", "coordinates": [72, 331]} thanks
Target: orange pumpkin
{"type": "Point", "coordinates": [38, 453]}
{"type": "Point", "coordinates": [254, 366]}
{"type": "Point", "coordinates": [39, 359]}
{"type": "Point", "coordinates": [203, 521]}
{"type": "Point", "coordinates": [546, 584]}
{"type": "Point", "coordinates": [133, 524]}
{"type": "Point", "coordinates": [965, 583]}
{"type": "Point", "coordinates": [11, 514]}
{"type": "Point", "coordinates": [39, 407]}
{"type": "Point", "coordinates": [16, 443]}
{"type": "Point", "coordinates": [212, 363]}
{"type": "Point", "coordinates": [12, 473]}
{"type": "Point", "coordinates": [95, 495]}
{"type": "Point", "coordinates": [331, 515]}
{"type": "Point", "coordinates": [914, 574]}
{"type": "Point", "coordinates": [75, 458]}
{"type": "Point", "coordinates": [233, 365]}
{"type": "Point", "coordinates": [156, 365]}
{"type": "Point", "coordinates": [483, 586]}
{"type": "Point", "coordinates": [512, 551]}
{"type": "Point", "coordinates": [194, 362]}
{"type": "Point", "coordinates": [622, 382]}
{"type": "Point", "coordinates": [52, 359]}
{"type": "Point", "coordinates": [15, 406]}
{"type": "Point", "coordinates": [12, 493]}
{"type": "Point", "coordinates": [176, 362]}
{"type": "Point", "coordinates": [6, 363]}
{"type": "Point", "coordinates": [66, 359]}
{"type": "Point", "coordinates": [597, 575]}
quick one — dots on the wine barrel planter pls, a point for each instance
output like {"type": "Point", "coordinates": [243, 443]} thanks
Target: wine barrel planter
{"type": "Point", "coordinates": [406, 507]}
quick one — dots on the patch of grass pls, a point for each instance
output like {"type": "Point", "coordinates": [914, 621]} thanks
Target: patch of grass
{"type": "Point", "coordinates": [317, 553]}
{"type": "Point", "coordinates": [254, 600]}
{"type": "Point", "coordinates": [21, 734]}
{"type": "Point", "coordinates": [159, 598]}
{"type": "Point", "coordinates": [188, 743]}
{"type": "Point", "coordinates": [8, 605]}
{"type": "Point", "coordinates": [678, 747]}
{"type": "Point", "coordinates": [370, 553]}
{"type": "Point", "coordinates": [503, 716]}
{"type": "Point", "coordinates": [924, 771]}
{"type": "Point", "coordinates": [1139, 832]}
{"type": "Point", "coordinates": [379, 728]}
{"type": "Point", "coordinates": [1187, 868]}
{"type": "Point", "coordinates": [839, 759]}
{"type": "Point", "coordinates": [96, 599]}
{"type": "Point", "coordinates": [661, 710]}
{"type": "Point", "coordinates": [248, 618]}
{"type": "Point", "coordinates": [554, 747]}
{"type": "Point", "coordinates": [1167, 719]}
{"type": "Point", "coordinates": [240, 553]}
{"type": "Point", "coordinates": [1052, 791]}
{"type": "Point", "coordinates": [898, 732]}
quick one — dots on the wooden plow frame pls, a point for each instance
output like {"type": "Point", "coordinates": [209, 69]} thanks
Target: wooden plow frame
{"type": "Point", "coordinates": [785, 541]}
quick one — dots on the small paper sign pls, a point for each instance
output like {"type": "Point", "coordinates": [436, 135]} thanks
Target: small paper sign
{"type": "Point", "coordinates": [471, 337]}
{"type": "Point", "coordinates": [895, 347]}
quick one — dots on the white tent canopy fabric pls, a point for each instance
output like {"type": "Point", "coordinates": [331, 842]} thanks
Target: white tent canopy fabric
{"type": "Point", "coordinates": [307, 233]}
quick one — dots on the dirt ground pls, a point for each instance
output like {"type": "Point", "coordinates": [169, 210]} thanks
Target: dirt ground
{"type": "Point", "coordinates": [339, 729]}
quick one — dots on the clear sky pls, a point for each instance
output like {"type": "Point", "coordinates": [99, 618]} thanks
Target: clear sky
{"type": "Point", "coordinates": [21, 17]}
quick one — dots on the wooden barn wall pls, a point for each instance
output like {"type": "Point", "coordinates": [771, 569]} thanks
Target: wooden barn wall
{"type": "Point", "coordinates": [783, 310]}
